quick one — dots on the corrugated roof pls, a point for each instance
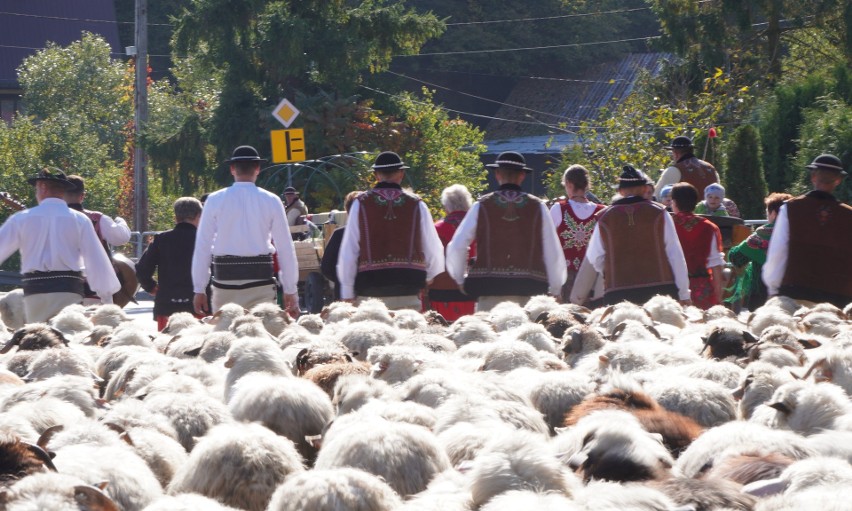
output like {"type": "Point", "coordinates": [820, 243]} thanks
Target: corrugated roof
{"type": "Point", "coordinates": [28, 25]}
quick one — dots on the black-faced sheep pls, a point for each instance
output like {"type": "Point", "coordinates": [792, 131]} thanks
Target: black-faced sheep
{"type": "Point", "coordinates": [35, 336]}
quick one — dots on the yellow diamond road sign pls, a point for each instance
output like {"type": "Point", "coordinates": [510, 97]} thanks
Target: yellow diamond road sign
{"type": "Point", "coordinates": [285, 112]}
{"type": "Point", "coordinates": [287, 145]}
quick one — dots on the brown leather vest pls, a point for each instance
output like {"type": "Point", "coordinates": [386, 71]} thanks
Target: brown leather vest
{"type": "Point", "coordinates": [509, 256]}
{"type": "Point", "coordinates": [698, 173]}
{"type": "Point", "coordinates": [820, 251]}
{"type": "Point", "coordinates": [389, 220]}
{"type": "Point", "coordinates": [633, 237]}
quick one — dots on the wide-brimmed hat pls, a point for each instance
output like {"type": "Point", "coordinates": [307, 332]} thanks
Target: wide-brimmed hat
{"type": "Point", "coordinates": [630, 177]}
{"type": "Point", "coordinates": [290, 189]}
{"type": "Point", "coordinates": [510, 160]}
{"type": "Point", "coordinates": [388, 161]}
{"type": "Point", "coordinates": [681, 142]}
{"type": "Point", "coordinates": [51, 174]}
{"type": "Point", "coordinates": [827, 162]}
{"type": "Point", "coordinates": [245, 153]}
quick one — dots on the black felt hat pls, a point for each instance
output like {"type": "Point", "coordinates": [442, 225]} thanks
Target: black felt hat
{"type": "Point", "coordinates": [827, 162]}
{"type": "Point", "coordinates": [290, 189]}
{"type": "Point", "coordinates": [51, 174]}
{"type": "Point", "coordinates": [388, 161]}
{"type": "Point", "coordinates": [681, 142]}
{"type": "Point", "coordinates": [510, 160]}
{"type": "Point", "coordinates": [245, 153]}
{"type": "Point", "coordinates": [631, 176]}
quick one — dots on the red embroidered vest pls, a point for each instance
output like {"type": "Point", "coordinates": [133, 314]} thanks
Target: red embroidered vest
{"type": "Point", "coordinates": [574, 234]}
{"type": "Point", "coordinates": [695, 235]}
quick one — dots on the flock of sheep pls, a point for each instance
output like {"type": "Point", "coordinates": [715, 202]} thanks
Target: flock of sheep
{"type": "Point", "coordinates": [542, 407]}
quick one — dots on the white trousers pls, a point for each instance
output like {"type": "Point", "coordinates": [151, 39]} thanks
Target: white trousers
{"type": "Point", "coordinates": [43, 306]}
{"type": "Point", "coordinates": [248, 298]}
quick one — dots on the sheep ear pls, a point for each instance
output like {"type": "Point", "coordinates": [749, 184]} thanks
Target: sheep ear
{"type": "Point", "coordinates": [654, 331]}
{"type": "Point", "coordinates": [617, 331]}
{"type": "Point", "coordinates": [45, 437]}
{"type": "Point", "coordinates": [604, 360]}
{"type": "Point", "coordinates": [194, 352]}
{"type": "Point", "coordinates": [606, 313]}
{"type": "Point", "coordinates": [749, 337]}
{"type": "Point", "coordinates": [542, 317]}
{"type": "Point", "coordinates": [579, 317]}
{"type": "Point", "coordinates": [41, 454]}
{"type": "Point", "coordinates": [60, 335]}
{"type": "Point", "coordinates": [810, 343]}
{"type": "Point", "coordinates": [14, 341]}
{"type": "Point", "coordinates": [92, 498]}
{"type": "Point", "coordinates": [302, 359]}
{"type": "Point", "coordinates": [781, 407]}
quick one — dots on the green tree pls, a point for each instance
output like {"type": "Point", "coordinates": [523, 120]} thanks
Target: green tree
{"type": "Point", "coordinates": [827, 129]}
{"type": "Point", "coordinates": [744, 180]}
{"type": "Point", "coordinates": [268, 49]}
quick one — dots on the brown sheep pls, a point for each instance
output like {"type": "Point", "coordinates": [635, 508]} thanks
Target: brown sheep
{"type": "Point", "coordinates": [677, 430]}
{"type": "Point", "coordinates": [19, 459]}
{"type": "Point", "coordinates": [326, 375]}
{"type": "Point", "coordinates": [35, 336]}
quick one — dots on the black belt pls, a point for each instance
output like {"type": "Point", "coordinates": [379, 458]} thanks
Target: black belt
{"type": "Point", "coordinates": [40, 282]}
{"type": "Point", "coordinates": [242, 268]}
{"type": "Point", "coordinates": [699, 275]}
{"type": "Point", "coordinates": [247, 285]}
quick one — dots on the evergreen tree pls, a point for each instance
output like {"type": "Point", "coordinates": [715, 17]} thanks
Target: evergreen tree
{"type": "Point", "coordinates": [744, 182]}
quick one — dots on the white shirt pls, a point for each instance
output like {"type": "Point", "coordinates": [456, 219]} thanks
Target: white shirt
{"type": "Point", "coordinates": [554, 257]}
{"type": "Point", "coordinates": [350, 249]}
{"type": "Point", "coordinates": [243, 220]}
{"type": "Point", "coordinates": [777, 253]}
{"type": "Point", "coordinates": [670, 176]}
{"type": "Point", "coordinates": [714, 257]}
{"type": "Point", "coordinates": [115, 232]}
{"type": "Point", "coordinates": [53, 237]}
{"type": "Point", "coordinates": [596, 254]}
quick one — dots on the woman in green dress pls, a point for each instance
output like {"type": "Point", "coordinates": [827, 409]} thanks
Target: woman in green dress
{"type": "Point", "coordinates": [748, 257]}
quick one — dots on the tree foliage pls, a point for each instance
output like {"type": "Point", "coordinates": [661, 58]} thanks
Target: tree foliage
{"type": "Point", "coordinates": [827, 128]}
{"type": "Point", "coordinates": [744, 179]}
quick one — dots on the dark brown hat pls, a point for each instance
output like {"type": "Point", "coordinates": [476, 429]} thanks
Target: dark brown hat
{"type": "Point", "coordinates": [78, 182]}
{"type": "Point", "coordinates": [51, 174]}
{"type": "Point", "coordinates": [245, 153]}
{"type": "Point", "coordinates": [510, 160]}
{"type": "Point", "coordinates": [827, 162]}
{"type": "Point", "coordinates": [631, 176]}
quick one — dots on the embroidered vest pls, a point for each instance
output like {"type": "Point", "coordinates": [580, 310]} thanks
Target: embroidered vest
{"type": "Point", "coordinates": [632, 234]}
{"type": "Point", "coordinates": [574, 234]}
{"type": "Point", "coordinates": [698, 173]}
{"type": "Point", "coordinates": [695, 235]}
{"type": "Point", "coordinates": [820, 250]}
{"type": "Point", "coordinates": [391, 260]}
{"type": "Point", "coordinates": [509, 259]}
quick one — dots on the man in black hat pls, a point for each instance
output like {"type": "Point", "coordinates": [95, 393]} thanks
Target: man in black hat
{"type": "Point", "coordinates": [686, 168]}
{"type": "Point", "coordinates": [390, 248]}
{"type": "Point", "coordinates": [241, 228]}
{"type": "Point", "coordinates": [811, 245]}
{"type": "Point", "coordinates": [53, 240]}
{"type": "Point", "coordinates": [518, 254]}
{"type": "Point", "coordinates": [635, 247]}
{"type": "Point", "coordinates": [294, 207]}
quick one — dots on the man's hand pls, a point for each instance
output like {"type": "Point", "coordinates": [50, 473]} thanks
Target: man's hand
{"type": "Point", "coordinates": [291, 305]}
{"type": "Point", "coordinates": [200, 304]}
{"type": "Point", "coordinates": [685, 303]}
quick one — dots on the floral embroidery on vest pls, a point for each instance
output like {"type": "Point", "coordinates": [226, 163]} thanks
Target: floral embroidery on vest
{"type": "Point", "coordinates": [576, 235]}
{"type": "Point", "coordinates": [510, 200]}
{"type": "Point", "coordinates": [389, 197]}
{"type": "Point", "coordinates": [824, 213]}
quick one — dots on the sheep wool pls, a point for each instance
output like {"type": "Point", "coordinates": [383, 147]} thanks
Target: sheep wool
{"type": "Point", "coordinates": [341, 489]}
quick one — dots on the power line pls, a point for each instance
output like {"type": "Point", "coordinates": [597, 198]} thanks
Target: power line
{"type": "Point", "coordinates": [117, 53]}
{"type": "Point", "coordinates": [611, 81]}
{"type": "Point", "coordinates": [550, 47]}
{"type": "Point", "coordinates": [544, 18]}
{"type": "Point", "coordinates": [87, 20]}
{"type": "Point", "coordinates": [474, 95]}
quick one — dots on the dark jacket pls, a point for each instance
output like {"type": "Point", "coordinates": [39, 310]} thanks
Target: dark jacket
{"type": "Point", "coordinates": [328, 266]}
{"type": "Point", "coordinates": [170, 255]}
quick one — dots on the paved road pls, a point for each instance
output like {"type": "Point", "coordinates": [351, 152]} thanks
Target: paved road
{"type": "Point", "coordinates": [143, 311]}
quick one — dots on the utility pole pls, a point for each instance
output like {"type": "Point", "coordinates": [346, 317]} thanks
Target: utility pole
{"type": "Point", "coordinates": [140, 160]}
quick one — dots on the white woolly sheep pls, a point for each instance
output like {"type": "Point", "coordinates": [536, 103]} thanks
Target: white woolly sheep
{"type": "Point", "coordinates": [533, 334]}
{"type": "Point", "coordinates": [74, 390]}
{"type": "Point", "coordinates": [58, 362]}
{"type": "Point", "coordinates": [359, 337]}
{"type": "Point", "coordinates": [516, 461]}
{"type": "Point", "coordinates": [407, 457]}
{"type": "Point", "coordinates": [433, 387]}
{"type": "Point", "coordinates": [337, 312]}
{"type": "Point", "coordinates": [475, 408]}
{"type": "Point", "coordinates": [514, 500]}
{"type": "Point", "coordinates": [804, 476]}
{"type": "Point", "coordinates": [249, 355]}
{"type": "Point", "coordinates": [313, 323]}
{"type": "Point", "coordinates": [665, 309]}
{"type": "Point", "coordinates": [341, 489]}
{"type": "Point", "coordinates": [187, 502]}
{"type": "Point", "coordinates": [216, 346]}
{"type": "Point", "coordinates": [50, 491]}
{"type": "Point", "coordinates": [507, 315]}
{"type": "Point", "coordinates": [757, 384]}
{"type": "Point", "coordinates": [555, 393]}
{"type": "Point", "coordinates": [372, 309]}
{"type": "Point", "coordinates": [432, 342]}
{"type": "Point", "coordinates": [807, 408]}
{"type": "Point", "coordinates": [192, 415]}
{"type": "Point", "coordinates": [46, 413]}
{"type": "Point", "coordinates": [396, 364]}
{"type": "Point", "coordinates": [72, 322]}
{"type": "Point", "coordinates": [407, 319]}
{"type": "Point", "coordinates": [613, 496]}
{"type": "Point", "coordinates": [834, 367]}
{"type": "Point", "coordinates": [351, 392]}
{"type": "Point", "coordinates": [579, 342]}
{"type": "Point", "coordinates": [240, 465]}
{"type": "Point", "coordinates": [706, 402]}
{"type": "Point", "coordinates": [12, 309]}
{"type": "Point", "coordinates": [504, 356]}
{"type": "Point", "coordinates": [273, 318]}
{"type": "Point", "coordinates": [767, 316]}
{"type": "Point", "coordinates": [108, 314]}
{"type": "Point", "coordinates": [464, 441]}
{"type": "Point", "coordinates": [291, 407]}
{"type": "Point", "coordinates": [538, 304]}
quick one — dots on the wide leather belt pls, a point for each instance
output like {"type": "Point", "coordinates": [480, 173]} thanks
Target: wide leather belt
{"type": "Point", "coordinates": [40, 282]}
{"type": "Point", "coordinates": [242, 268]}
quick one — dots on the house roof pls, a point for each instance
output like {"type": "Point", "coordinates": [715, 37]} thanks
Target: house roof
{"type": "Point", "coordinates": [26, 26]}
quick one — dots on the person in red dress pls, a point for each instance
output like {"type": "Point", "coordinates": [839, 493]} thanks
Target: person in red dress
{"type": "Point", "coordinates": [574, 218]}
{"type": "Point", "coordinates": [444, 294]}
{"type": "Point", "coordinates": [702, 247]}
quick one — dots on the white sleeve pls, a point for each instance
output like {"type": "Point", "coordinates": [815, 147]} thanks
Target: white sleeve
{"type": "Point", "coordinates": [554, 257]}
{"type": "Point", "coordinates": [347, 259]}
{"type": "Point", "coordinates": [595, 251]}
{"type": "Point", "coordinates": [556, 214]}
{"type": "Point", "coordinates": [99, 271]}
{"type": "Point", "coordinates": [9, 238]}
{"type": "Point", "coordinates": [202, 254]}
{"type": "Point", "coordinates": [433, 249]}
{"type": "Point", "coordinates": [288, 264]}
{"type": "Point", "coordinates": [115, 232]}
{"type": "Point", "coordinates": [715, 258]}
{"type": "Point", "coordinates": [777, 253]}
{"type": "Point", "coordinates": [674, 253]}
{"type": "Point", "coordinates": [584, 282]}
{"type": "Point", "coordinates": [457, 249]}
{"type": "Point", "coordinates": [670, 176]}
